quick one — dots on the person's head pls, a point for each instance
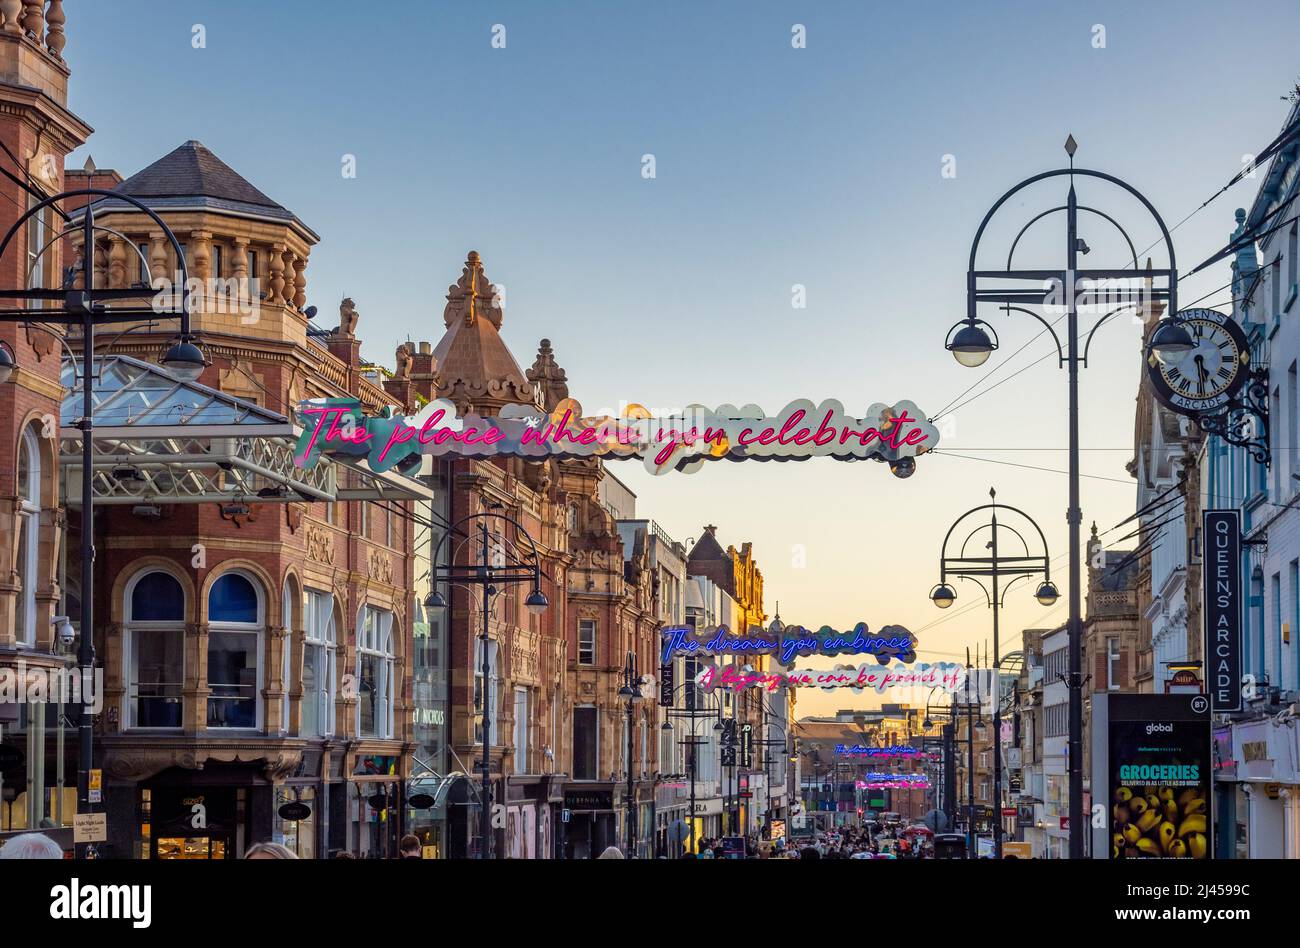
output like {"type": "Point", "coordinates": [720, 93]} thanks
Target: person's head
{"type": "Point", "coordinates": [30, 846]}
{"type": "Point", "coordinates": [810, 853]}
{"type": "Point", "coordinates": [343, 854]}
{"type": "Point", "coordinates": [611, 852]}
{"type": "Point", "coordinates": [409, 846]}
{"type": "Point", "coordinates": [269, 851]}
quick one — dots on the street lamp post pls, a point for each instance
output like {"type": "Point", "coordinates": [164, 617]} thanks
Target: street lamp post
{"type": "Point", "coordinates": [692, 713]}
{"type": "Point", "coordinates": [88, 306]}
{"type": "Point", "coordinates": [495, 568]}
{"type": "Point", "coordinates": [631, 692]}
{"type": "Point", "coordinates": [971, 344]}
{"type": "Point", "coordinates": [995, 567]}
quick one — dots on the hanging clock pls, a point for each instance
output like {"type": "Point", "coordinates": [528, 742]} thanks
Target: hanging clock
{"type": "Point", "coordinates": [1203, 380]}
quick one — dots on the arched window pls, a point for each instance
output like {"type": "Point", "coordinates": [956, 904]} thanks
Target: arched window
{"type": "Point", "coordinates": [236, 618]}
{"type": "Point", "coordinates": [154, 649]}
{"type": "Point", "coordinates": [318, 666]}
{"type": "Point", "coordinates": [374, 672]}
{"type": "Point", "coordinates": [29, 520]}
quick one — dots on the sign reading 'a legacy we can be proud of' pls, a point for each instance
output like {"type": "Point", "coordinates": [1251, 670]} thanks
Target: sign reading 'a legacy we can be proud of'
{"type": "Point", "coordinates": [682, 441]}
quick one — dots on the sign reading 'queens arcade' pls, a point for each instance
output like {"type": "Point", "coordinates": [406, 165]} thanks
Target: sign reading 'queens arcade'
{"type": "Point", "coordinates": [683, 441]}
{"type": "Point", "coordinates": [1222, 586]}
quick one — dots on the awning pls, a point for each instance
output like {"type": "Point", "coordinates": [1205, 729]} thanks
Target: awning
{"type": "Point", "coordinates": [161, 440]}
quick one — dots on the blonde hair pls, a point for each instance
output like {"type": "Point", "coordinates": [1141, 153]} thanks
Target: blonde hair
{"type": "Point", "coordinates": [273, 850]}
{"type": "Point", "coordinates": [611, 852]}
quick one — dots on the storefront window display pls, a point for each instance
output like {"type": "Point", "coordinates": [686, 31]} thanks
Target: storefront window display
{"type": "Point", "coordinates": [298, 835]}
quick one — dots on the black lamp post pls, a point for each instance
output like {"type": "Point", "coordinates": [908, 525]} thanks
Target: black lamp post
{"type": "Point", "coordinates": [972, 340]}
{"type": "Point", "coordinates": [89, 306]}
{"type": "Point", "coordinates": [631, 693]}
{"type": "Point", "coordinates": [996, 567]}
{"type": "Point", "coordinates": [493, 570]}
{"type": "Point", "coordinates": [692, 713]}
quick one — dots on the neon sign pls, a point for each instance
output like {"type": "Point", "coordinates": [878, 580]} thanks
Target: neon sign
{"type": "Point", "coordinates": [894, 782]}
{"type": "Point", "coordinates": [898, 750]}
{"type": "Point", "coordinates": [681, 441]}
{"type": "Point", "coordinates": [949, 676]}
{"type": "Point", "coordinates": [892, 641]}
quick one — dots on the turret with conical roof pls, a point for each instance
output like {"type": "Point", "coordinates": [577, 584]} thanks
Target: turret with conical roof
{"type": "Point", "coordinates": [475, 369]}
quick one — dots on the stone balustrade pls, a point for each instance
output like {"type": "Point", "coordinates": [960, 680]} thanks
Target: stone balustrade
{"type": "Point", "coordinates": [40, 21]}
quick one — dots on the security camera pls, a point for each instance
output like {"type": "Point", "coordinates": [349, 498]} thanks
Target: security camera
{"type": "Point", "coordinates": [67, 634]}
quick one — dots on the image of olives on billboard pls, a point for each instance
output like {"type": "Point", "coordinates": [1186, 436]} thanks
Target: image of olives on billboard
{"type": "Point", "coordinates": [1159, 790]}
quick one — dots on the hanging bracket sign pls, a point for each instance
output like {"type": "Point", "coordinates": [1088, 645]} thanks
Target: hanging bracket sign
{"type": "Point", "coordinates": [894, 434]}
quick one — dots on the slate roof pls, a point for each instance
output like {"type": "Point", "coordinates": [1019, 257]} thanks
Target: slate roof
{"type": "Point", "coordinates": [191, 176]}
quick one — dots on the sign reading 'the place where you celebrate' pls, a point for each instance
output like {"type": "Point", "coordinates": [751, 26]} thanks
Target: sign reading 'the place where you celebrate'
{"type": "Point", "coordinates": [682, 441]}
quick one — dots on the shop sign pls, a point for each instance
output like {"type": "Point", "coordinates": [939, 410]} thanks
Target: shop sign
{"type": "Point", "coordinates": [667, 684]}
{"type": "Point", "coordinates": [90, 827]}
{"type": "Point", "coordinates": [747, 745]}
{"type": "Point", "coordinates": [296, 811]}
{"type": "Point", "coordinates": [1183, 682]}
{"type": "Point", "coordinates": [589, 799]}
{"type": "Point", "coordinates": [1252, 751]}
{"type": "Point", "coordinates": [1223, 606]}
{"type": "Point", "coordinates": [677, 442]}
{"type": "Point", "coordinates": [1159, 763]}
{"type": "Point", "coordinates": [95, 786]}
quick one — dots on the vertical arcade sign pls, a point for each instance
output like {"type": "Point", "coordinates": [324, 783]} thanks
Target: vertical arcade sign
{"type": "Point", "coordinates": [667, 684]}
{"type": "Point", "coordinates": [1222, 583]}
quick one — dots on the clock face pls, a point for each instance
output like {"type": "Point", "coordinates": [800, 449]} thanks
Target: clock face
{"type": "Point", "coordinates": [1204, 379]}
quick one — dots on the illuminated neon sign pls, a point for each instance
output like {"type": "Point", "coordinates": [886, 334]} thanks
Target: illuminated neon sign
{"type": "Point", "coordinates": [892, 641]}
{"type": "Point", "coordinates": [950, 676]}
{"type": "Point", "coordinates": [894, 782]}
{"type": "Point", "coordinates": [896, 434]}
{"type": "Point", "coordinates": [898, 750]}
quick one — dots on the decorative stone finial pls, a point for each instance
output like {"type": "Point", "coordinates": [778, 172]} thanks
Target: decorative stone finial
{"type": "Point", "coordinates": [472, 296]}
{"type": "Point", "coordinates": [549, 380]}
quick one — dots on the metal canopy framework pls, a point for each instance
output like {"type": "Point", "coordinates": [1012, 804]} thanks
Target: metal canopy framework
{"type": "Point", "coordinates": [161, 440]}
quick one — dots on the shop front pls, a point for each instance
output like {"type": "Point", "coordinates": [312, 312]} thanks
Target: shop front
{"type": "Point", "coordinates": [530, 826]}
{"type": "Point", "coordinates": [1257, 790]}
{"type": "Point", "coordinates": [593, 821]}
{"type": "Point", "coordinates": [374, 807]}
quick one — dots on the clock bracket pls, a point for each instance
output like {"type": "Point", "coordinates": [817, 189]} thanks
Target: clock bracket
{"type": "Point", "coordinates": [1243, 422]}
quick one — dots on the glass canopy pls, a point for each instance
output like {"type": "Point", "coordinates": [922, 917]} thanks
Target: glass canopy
{"type": "Point", "coordinates": [160, 440]}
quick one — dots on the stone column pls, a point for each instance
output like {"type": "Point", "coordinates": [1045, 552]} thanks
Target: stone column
{"type": "Point", "coordinates": [34, 19]}
{"type": "Point", "coordinates": [195, 689]}
{"type": "Point", "coordinates": [158, 256]}
{"type": "Point", "coordinates": [55, 40]}
{"type": "Point", "coordinates": [275, 292]}
{"type": "Point", "coordinates": [12, 11]}
{"type": "Point", "coordinates": [239, 268]}
{"type": "Point", "coordinates": [299, 282]}
{"type": "Point", "coordinates": [116, 262]}
{"type": "Point", "coordinates": [201, 254]}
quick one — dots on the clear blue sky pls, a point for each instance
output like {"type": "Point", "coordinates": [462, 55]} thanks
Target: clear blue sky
{"type": "Point", "coordinates": [775, 166]}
